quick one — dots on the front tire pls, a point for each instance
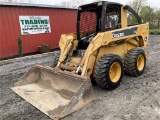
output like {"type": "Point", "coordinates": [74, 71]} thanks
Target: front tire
{"type": "Point", "coordinates": [109, 71]}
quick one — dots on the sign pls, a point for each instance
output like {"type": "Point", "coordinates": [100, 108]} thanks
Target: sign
{"type": "Point", "coordinates": [34, 24]}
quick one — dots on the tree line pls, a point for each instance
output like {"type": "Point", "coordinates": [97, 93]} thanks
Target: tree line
{"type": "Point", "coordinates": [147, 13]}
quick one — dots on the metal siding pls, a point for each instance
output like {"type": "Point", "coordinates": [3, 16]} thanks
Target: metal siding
{"type": "Point", "coordinates": [6, 35]}
{"type": "Point", "coordinates": [61, 21]}
{"type": "Point", "coordinates": [1, 43]}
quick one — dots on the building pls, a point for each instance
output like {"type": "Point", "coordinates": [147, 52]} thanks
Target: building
{"type": "Point", "coordinates": [37, 25]}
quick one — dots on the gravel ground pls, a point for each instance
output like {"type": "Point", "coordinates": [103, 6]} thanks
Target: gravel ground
{"type": "Point", "coordinates": [135, 99]}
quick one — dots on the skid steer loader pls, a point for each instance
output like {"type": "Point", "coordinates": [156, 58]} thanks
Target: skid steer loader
{"type": "Point", "coordinates": [103, 48]}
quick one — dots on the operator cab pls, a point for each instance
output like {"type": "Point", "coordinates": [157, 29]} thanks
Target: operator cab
{"type": "Point", "coordinates": [96, 17]}
{"type": "Point", "coordinates": [99, 17]}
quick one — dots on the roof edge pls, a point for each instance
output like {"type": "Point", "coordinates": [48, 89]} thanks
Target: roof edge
{"type": "Point", "coordinates": [33, 5]}
{"type": "Point", "coordinates": [108, 2]}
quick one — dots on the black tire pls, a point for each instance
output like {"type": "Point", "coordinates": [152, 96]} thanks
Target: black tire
{"type": "Point", "coordinates": [102, 71]}
{"type": "Point", "coordinates": [55, 59]}
{"type": "Point", "coordinates": [130, 63]}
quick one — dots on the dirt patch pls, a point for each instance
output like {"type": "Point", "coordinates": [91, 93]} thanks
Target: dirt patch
{"type": "Point", "coordinates": [135, 99]}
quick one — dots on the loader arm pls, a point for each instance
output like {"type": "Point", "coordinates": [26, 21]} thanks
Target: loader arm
{"type": "Point", "coordinates": [67, 44]}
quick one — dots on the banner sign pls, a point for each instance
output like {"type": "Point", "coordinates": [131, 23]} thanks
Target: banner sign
{"type": "Point", "coordinates": [34, 24]}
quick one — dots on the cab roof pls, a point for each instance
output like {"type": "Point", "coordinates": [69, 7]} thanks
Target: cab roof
{"type": "Point", "coordinates": [100, 3]}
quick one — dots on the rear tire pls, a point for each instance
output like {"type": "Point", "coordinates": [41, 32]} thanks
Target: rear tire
{"type": "Point", "coordinates": [135, 62]}
{"type": "Point", "coordinates": [109, 71]}
{"type": "Point", "coordinates": [55, 59]}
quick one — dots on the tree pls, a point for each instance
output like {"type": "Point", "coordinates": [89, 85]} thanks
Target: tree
{"type": "Point", "coordinates": [157, 19]}
{"type": "Point", "coordinates": [144, 11]}
{"type": "Point", "coordinates": [137, 5]}
{"type": "Point", "coordinates": [17, 1]}
{"type": "Point", "coordinates": [20, 51]}
{"type": "Point", "coordinates": [147, 14]}
{"type": "Point", "coordinates": [10, 0]}
{"type": "Point", "coordinates": [97, 0]}
{"type": "Point", "coordinates": [72, 3]}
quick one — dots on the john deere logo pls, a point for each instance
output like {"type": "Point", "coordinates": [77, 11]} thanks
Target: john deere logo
{"type": "Point", "coordinates": [125, 32]}
{"type": "Point", "coordinates": [118, 35]}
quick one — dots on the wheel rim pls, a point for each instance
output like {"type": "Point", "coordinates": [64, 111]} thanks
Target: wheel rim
{"type": "Point", "coordinates": [140, 62]}
{"type": "Point", "coordinates": [115, 72]}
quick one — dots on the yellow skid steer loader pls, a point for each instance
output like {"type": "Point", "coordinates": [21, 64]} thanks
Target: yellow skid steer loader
{"type": "Point", "coordinates": [104, 47]}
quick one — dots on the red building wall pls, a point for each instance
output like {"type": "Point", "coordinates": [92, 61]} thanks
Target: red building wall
{"type": "Point", "coordinates": [61, 21]}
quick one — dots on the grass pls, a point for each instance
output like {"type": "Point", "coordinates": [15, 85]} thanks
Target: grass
{"type": "Point", "coordinates": [154, 31]}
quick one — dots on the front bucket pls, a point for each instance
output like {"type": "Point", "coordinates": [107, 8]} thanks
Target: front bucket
{"type": "Point", "coordinates": [56, 93]}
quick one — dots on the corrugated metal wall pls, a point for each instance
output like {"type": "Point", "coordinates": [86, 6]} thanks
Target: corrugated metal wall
{"type": "Point", "coordinates": [61, 21]}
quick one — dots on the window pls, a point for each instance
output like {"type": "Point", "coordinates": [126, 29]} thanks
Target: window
{"type": "Point", "coordinates": [132, 20]}
{"type": "Point", "coordinates": [112, 19]}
